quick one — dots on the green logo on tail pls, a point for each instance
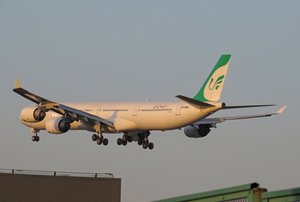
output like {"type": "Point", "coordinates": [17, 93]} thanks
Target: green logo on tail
{"type": "Point", "coordinates": [216, 84]}
{"type": "Point", "coordinates": [211, 90]}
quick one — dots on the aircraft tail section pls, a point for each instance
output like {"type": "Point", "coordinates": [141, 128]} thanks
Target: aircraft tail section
{"type": "Point", "coordinates": [212, 88]}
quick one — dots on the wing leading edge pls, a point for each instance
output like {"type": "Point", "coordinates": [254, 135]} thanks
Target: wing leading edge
{"type": "Point", "coordinates": [73, 113]}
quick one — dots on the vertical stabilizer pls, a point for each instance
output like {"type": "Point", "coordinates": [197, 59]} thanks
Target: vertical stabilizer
{"type": "Point", "coordinates": [212, 88]}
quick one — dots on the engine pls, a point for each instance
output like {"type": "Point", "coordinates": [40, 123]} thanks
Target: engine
{"type": "Point", "coordinates": [32, 114]}
{"type": "Point", "coordinates": [202, 131]}
{"type": "Point", "coordinates": [58, 125]}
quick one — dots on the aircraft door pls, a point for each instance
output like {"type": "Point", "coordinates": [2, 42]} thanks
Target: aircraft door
{"type": "Point", "coordinates": [178, 110]}
{"type": "Point", "coordinates": [135, 110]}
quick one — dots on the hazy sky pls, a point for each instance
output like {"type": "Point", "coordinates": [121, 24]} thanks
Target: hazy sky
{"type": "Point", "coordinates": [154, 50]}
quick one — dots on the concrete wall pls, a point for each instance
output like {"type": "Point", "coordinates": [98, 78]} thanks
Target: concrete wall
{"type": "Point", "coordinates": [31, 188]}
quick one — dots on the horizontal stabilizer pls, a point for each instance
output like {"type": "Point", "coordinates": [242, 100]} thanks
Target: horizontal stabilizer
{"type": "Point", "coordinates": [194, 102]}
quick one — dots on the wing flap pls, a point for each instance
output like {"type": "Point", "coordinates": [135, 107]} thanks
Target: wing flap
{"type": "Point", "coordinates": [81, 115]}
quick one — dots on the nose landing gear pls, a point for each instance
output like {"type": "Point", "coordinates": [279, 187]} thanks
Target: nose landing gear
{"type": "Point", "coordinates": [35, 137]}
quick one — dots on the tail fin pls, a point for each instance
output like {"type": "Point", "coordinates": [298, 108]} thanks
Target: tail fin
{"type": "Point", "coordinates": [211, 90]}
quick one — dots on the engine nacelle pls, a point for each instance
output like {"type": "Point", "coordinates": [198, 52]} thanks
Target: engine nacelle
{"type": "Point", "coordinates": [57, 125]}
{"type": "Point", "coordinates": [194, 132]}
{"type": "Point", "coordinates": [32, 114]}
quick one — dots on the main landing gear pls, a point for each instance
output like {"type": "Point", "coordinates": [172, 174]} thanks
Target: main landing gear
{"type": "Point", "coordinates": [141, 140]}
{"type": "Point", "coordinates": [145, 143]}
{"type": "Point", "coordinates": [35, 137]}
{"type": "Point", "coordinates": [99, 139]}
{"type": "Point", "coordinates": [124, 140]}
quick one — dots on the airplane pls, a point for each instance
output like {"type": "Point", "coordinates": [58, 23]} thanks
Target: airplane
{"type": "Point", "coordinates": [135, 120]}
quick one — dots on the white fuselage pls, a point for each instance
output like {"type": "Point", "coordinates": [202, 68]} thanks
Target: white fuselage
{"type": "Point", "coordinates": [134, 117]}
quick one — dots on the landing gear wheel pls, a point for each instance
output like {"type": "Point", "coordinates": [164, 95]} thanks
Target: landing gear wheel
{"type": "Point", "coordinates": [140, 142]}
{"type": "Point", "coordinates": [99, 141]}
{"type": "Point", "coordinates": [151, 146]}
{"type": "Point", "coordinates": [124, 142]}
{"type": "Point", "coordinates": [105, 141]}
{"type": "Point", "coordinates": [145, 145]}
{"type": "Point", "coordinates": [119, 141]}
{"type": "Point", "coordinates": [129, 139]}
{"type": "Point", "coordinates": [95, 137]}
{"type": "Point", "coordinates": [35, 138]}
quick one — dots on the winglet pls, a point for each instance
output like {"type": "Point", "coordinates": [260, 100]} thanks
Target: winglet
{"type": "Point", "coordinates": [281, 110]}
{"type": "Point", "coordinates": [17, 84]}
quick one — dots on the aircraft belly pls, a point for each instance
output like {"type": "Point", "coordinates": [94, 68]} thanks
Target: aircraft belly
{"type": "Point", "coordinates": [164, 121]}
{"type": "Point", "coordinates": [124, 125]}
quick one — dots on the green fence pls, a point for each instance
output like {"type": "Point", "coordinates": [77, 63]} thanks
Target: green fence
{"type": "Point", "coordinates": [288, 195]}
{"type": "Point", "coordinates": [244, 193]}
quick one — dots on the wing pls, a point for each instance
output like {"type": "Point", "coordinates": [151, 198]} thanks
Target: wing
{"type": "Point", "coordinates": [213, 121]}
{"type": "Point", "coordinates": [70, 112]}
